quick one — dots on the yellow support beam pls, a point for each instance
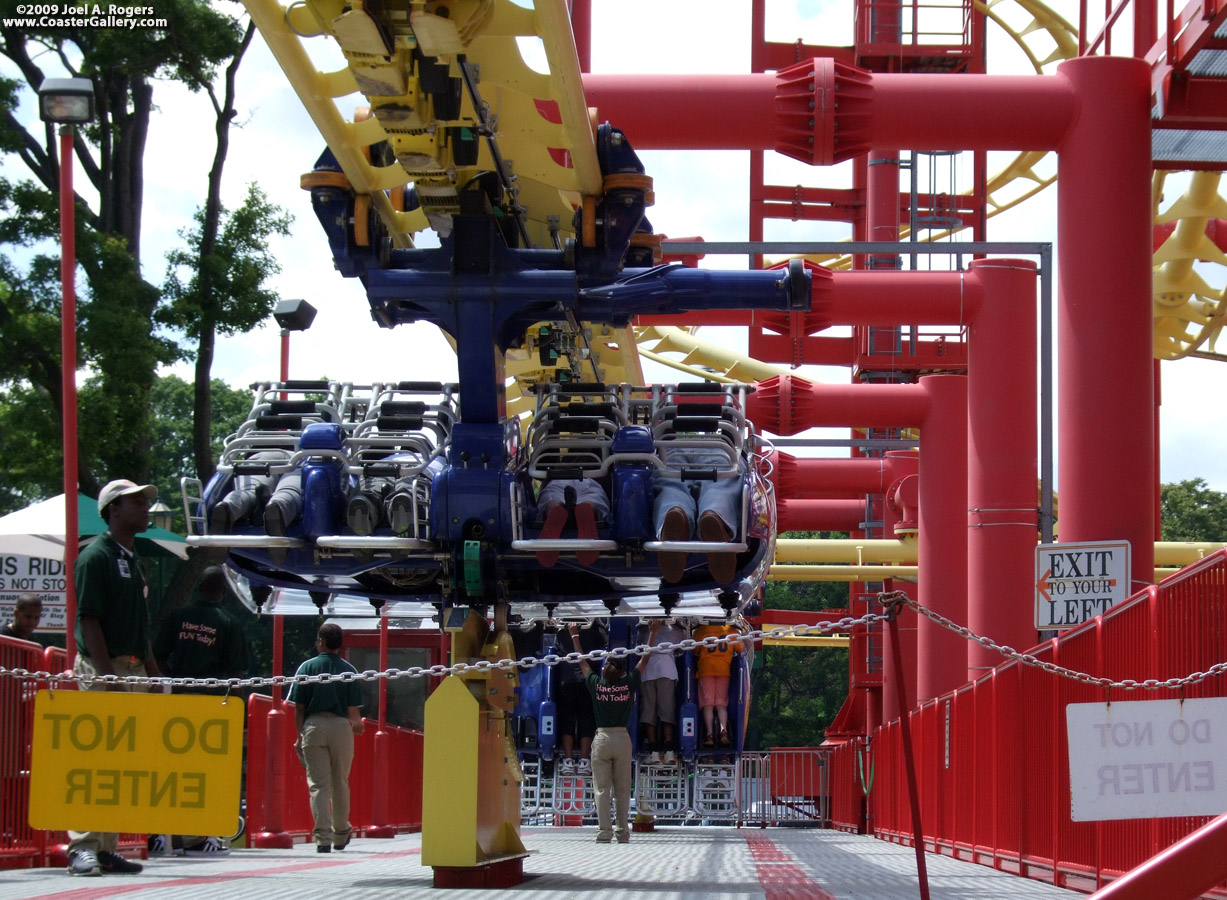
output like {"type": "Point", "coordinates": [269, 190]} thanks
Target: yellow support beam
{"type": "Point", "coordinates": [826, 640]}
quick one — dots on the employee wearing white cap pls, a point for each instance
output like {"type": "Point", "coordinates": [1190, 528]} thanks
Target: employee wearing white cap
{"type": "Point", "coordinates": [112, 633]}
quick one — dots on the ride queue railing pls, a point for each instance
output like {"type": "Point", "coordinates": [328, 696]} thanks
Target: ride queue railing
{"type": "Point", "coordinates": [23, 847]}
{"type": "Point", "coordinates": [401, 785]}
{"type": "Point", "coordinates": [991, 757]}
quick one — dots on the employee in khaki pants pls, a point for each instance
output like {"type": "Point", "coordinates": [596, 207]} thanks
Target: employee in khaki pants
{"type": "Point", "coordinates": [613, 693]}
{"type": "Point", "coordinates": [328, 716]}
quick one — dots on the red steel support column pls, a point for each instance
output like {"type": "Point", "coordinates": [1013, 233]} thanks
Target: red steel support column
{"type": "Point", "coordinates": [1002, 466]}
{"type": "Point", "coordinates": [68, 381]}
{"type": "Point", "coordinates": [1105, 389]}
{"type": "Point", "coordinates": [274, 775]}
{"type": "Point", "coordinates": [882, 202]}
{"type": "Point", "coordinates": [581, 27]}
{"type": "Point", "coordinates": [942, 535]}
{"type": "Point", "coordinates": [381, 827]}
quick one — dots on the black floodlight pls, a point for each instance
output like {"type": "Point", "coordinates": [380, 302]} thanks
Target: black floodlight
{"type": "Point", "coordinates": [294, 315]}
{"type": "Point", "coordinates": [68, 101]}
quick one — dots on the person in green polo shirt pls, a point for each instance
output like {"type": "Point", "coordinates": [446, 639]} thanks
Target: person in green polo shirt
{"type": "Point", "coordinates": [112, 634]}
{"type": "Point", "coordinates": [200, 640]}
{"type": "Point", "coordinates": [328, 716]}
{"type": "Point", "coordinates": [613, 695]}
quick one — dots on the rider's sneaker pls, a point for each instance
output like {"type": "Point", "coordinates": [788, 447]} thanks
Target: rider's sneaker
{"type": "Point", "coordinates": [670, 758]}
{"type": "Point", "coordinates": [654, 758]}
{"type": "Point", "coordinates": [584, 767]}
{"type": "Point", "coordinates": [567, 766]}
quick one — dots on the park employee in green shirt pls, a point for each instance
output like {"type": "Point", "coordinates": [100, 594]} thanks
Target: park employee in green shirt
{"type": "Point", "coordinates": [328, 717]}
{"type": "Point", "coordinates": [613, 694]}
{"type": "Point", "coordinates": [112, 635]}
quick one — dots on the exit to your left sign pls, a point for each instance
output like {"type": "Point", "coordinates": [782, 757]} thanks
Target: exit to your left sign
{"type": "Point", "coordinates": [1077, 581]}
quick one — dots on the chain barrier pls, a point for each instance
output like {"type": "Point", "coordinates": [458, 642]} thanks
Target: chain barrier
{"type": "Point", "coordinates": [893, 603]}
{"type": "Point", "coordinates": [439, 671]}
{"type": "Point", "coordinates": [895, 600]}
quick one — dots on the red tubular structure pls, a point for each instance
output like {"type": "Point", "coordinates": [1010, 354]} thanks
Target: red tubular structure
{"type": "Point", "coordinates": [1184, 871]}
{"type": "Point", "coordinates": [379, 790]}
{"type": "Point", "coordinates": [800, 514]}
{"type": "Point", "coordinates": [1093, 112]}
{"type": "Point", "coordinates": [1105, 385]}
{"type": "Point", "coordinates": [278, 730]}
{"type": "Point", "coordinates": [938, 405]}
{"type": "Point", "coordinates": [1001, 459]}
{"type": "Point", "coordinates": [68, 379]}
{"type": "Point", "coordinates": [916, 111]}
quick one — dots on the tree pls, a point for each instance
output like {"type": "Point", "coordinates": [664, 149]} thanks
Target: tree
{"type": "Point", "coordinates": [173, 444]}
{"type": "Point", "coordinates": [118, 309]}
{"type": "Point", "coordinates": [1190, 511]}
{"type": "Point", "coordinates": [228, 262]}
{"type": "Point", "coordinates": [798, 691]}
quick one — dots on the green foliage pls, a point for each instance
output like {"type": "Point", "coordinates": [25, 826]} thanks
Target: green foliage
{"type": "Point", "coordinates": [798, 691]}
{"type": "Point", "coordinates": [1190, 511]}
{"type": "Point", "coordinates": [231, 296]}
{"type": "Point", "coordinates": [171, 421]}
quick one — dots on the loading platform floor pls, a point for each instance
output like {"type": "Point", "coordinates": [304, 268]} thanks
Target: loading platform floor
{"type": "Point", "coordinates": [713, 863]}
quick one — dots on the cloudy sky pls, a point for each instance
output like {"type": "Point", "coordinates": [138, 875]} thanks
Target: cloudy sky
{"type": "Point", "coordinates": [697, 194]}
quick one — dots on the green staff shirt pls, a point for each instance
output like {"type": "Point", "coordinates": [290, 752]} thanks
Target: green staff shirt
{"type": "Point", "coordinates": [201, 640]}
{"type": "Point", "coordinates": [335, 696]}
{"type": "Point", "coordinates": [111, 587]}
{"type": "Point", "coordinates": [611, 700]}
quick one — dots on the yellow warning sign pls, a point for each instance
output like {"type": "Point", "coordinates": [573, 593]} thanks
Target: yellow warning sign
{"type": "Point", "coordinates": [151, 763]}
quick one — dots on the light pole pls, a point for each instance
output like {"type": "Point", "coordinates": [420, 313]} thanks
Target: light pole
{"type": "Point", "coordinates": [68, 102]}
{"type": "Point", "coordinates": [291, 315]}
{"type": "Point", "coordinates": [163, 516]}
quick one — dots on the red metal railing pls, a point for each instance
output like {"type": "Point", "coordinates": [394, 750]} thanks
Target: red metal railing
{"type": "Point", "coordinates": [24, 847]}
{"type": "Point", "coordinates": [991, 756]}
{"type": "Point", "coordinates": [402, 784]}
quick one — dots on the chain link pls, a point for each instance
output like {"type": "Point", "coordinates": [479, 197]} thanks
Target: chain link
{"type": "Point", "coordinates": [893, 601]}
{"type": "Point", "coordinates": [1128, 684]}
{"type": "Point", "coordinates": [484, 666]}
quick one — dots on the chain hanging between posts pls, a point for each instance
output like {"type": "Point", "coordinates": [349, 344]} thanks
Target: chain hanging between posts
{"type": "Point", "coordinates": [894, 600]}
{"type": "Point", "coordinates": [481, 666]}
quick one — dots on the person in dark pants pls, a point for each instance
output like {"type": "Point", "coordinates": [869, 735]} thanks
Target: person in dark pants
{"type": "Point", "coordinates": [328, 716]}
{"type": "Point", "coordinates": [200, 640]}
{"type": "Point", "coordinates": [112, 634]}
{"type": "Point", "coordinates": [613, 694]}
{"type": "Point", "coordinates": [575, 720]}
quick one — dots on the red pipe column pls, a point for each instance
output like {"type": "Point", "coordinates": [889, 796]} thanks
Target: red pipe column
{"type": "Point", "coordinates": [941, 539]}
{"type": "Point", "coordinates": [384, 775]}
{"type": "Point", "coordinates": [68, 382]}
{"type": "Point", "coordinates": [1002, 467]}
{"type": "Point", "coordinates": [1105, 378]}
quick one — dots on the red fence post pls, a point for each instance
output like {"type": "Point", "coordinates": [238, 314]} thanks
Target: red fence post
{"type": "Point", "coordinates": [380, 826]}
{"type": "Point", "coordinates": [273, 835]}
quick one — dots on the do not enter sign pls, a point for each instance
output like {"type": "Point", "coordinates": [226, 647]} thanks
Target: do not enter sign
{"type": "Point", "coordinates": [152, 763]}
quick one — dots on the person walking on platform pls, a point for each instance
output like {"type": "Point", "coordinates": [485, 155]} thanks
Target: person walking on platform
{"type": "Point", "coordinates": [328, 716]}
{"type": "Point", "coordinates": [112, 634]}
{"type": "Point", "coordinates": [613, 694]}
{"type": "Point", "coordinates": [200, 640]}
{"type": "Point", "coordinates": [27, 613]}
